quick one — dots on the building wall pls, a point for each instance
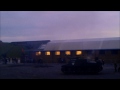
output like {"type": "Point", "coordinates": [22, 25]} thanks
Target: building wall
{"type": "Point", "coordinates": [109, 56]}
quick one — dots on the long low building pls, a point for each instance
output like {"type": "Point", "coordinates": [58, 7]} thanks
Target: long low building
{"type": "Point", "coordinates": [107, 49]}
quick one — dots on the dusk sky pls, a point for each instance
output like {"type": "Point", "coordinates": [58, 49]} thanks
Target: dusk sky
{"type": "Point", "coordinates": [58, 25]}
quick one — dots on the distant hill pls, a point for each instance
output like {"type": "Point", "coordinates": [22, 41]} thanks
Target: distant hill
{"type": "Point", "coordinates": [14, 49]}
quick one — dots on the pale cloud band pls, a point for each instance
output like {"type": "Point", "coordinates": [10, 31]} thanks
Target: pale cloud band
{"type": "Point", "coordinates": [58, 25]}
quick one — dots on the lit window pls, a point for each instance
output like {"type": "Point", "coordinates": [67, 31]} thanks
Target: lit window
{"type": "Point", "coordinates": [57, 53]}
{"type": "Point", "coordinates": [47, 53]}
{"type": "Point", "coordinates": [38, 53]}
{"type": "Point", "coordinates": [78, 52]}
{"type": "Point", "coordinates": [67, 52]}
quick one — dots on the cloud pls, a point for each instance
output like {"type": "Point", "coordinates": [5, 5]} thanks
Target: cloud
{"type": "Point", "coordinates": [37, 25]}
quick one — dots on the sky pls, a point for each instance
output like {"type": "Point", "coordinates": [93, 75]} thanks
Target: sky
{"type": "Point", "coordinates": [58, 25]}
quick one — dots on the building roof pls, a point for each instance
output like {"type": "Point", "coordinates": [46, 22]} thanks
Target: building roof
{"type": "Point", "coordinates": [31, 45]}
{"type": "Point", "coordinates": [84, 44]}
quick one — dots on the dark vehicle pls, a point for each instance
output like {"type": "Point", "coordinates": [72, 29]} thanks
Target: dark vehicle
{"type": "Point", "coordinates": [81, 66]}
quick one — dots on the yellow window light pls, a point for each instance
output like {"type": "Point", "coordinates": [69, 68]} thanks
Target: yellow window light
{"type": "Point", "coordinates": [78, 52]}
{"type": "Point", "coordinates": [57, 53]}
{"type": "Point", "coordinates": [38, 53]}
{"type": "Point", "coordinates": [68, 53]}
{"type": "Point", "coordinates": [47, 53]}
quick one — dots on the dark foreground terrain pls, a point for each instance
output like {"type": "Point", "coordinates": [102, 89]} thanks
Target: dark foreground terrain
{"type": "Point", "coordinates": [50, 71]}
